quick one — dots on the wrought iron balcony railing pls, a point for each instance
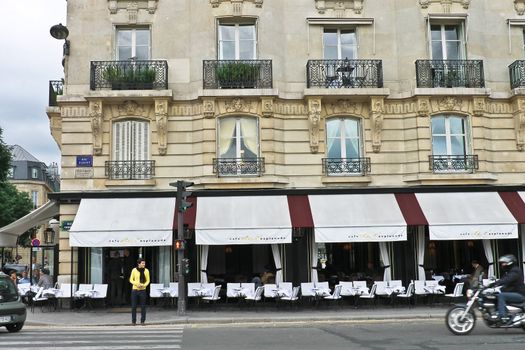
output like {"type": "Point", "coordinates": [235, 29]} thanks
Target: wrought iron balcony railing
{"type": "Point", "coordinates": [129, 75]}
{"type": "Point", "coordinates": [447, 164]}
{"type": "Point", "coordinates": [344, 73]}
{"type": "Point", "coordinates": [56, 88]}
{"type": "Point", "coordinates": [238, 166]}
{"type": "Point", "coordinates": [517, 74]}
{"type": "Point", "coordinates": [346, 166]}
{"type": "Point", "coordinates": [450, 73]}
{"type": "Point", "coordinates": [237, 74]}
{"type": "Point", "coordinates": [130, 169]}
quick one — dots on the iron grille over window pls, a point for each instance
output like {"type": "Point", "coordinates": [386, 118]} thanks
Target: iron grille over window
{"type": "Point", "coordinates": [238, 166]}
{"type": "Point", "coordinates": [342, 166]}
{"type": "Point", "coordinates": [461, 163]}
{"type": "Point", "coordinates": [130, 169]}
{"type": "Point", "coordinates": [237, 74]}
{"type": "Point", "coordinates": [517, 74]}
{"type": "Point", "coordinates": [56, 88]}
{"type": "Point", "coordinates": [450, 73]}
{"type": "Point", "coordinates": [129, 75]}
{"type": "Point", "coordinates": [344, 73]}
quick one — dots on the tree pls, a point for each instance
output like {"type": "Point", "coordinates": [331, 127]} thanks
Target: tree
{"type": "Point", "coordinates": [5, 159]}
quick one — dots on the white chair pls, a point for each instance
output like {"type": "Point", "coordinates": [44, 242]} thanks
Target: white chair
{"type": "Point", "coordinates": [208, 289]}
{"type": "Point", "coordinates": [256, 296]}
{"type": "Point", "coordinates": [307, 289]}
{"type": "Point", "coordinates": [336, 295]}
{"type": "Point", "coordinates": [380, 288]}
{"type": "Point", "coordinates": [193, 289]}
{"type": "Point", "coordinates": [100, 292]}
{"type": "Point", "coordinates": [361, 287]}
{"type": "Point", "coordinates": [347, 289]}
{"type": "Point", "coordinates": [295, 295]}
{"type": "Point", "coordinates": [215, 296]}
{"type": "Point", "coordinates": [39, 299]}
{"type": "Point", "coordinates": [371, 295]}
{"type": "Point", "coordinates": [458, 292]}
{"type": "Point", "coordinates": [83, 290]}
{"type": "Point", "coordinates": [487, 281]}
{"type": "Point", "coordinates": [419, 289]}
{"type": "Point", "coordinates": [247, 289]}
{"type": "Point", "coordinates": [155, 290]}
{"type": "Point", "coordinates": [270, 290]}
{"type": "Point", "coordinates": [408, 294]}
{"type": "Point", "coordinates": [65, 290]}
{"type": "Point", "coordinates": [232, 290]}
{"type": "Point", "coordinates": [174, 289]}
{"type": "Point", "coordinates": [394, 283]}
{"type": "Point", "coordinates": [286, 288]}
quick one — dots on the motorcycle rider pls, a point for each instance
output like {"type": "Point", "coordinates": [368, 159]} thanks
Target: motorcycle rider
{"type": "Point", "coordinates": [513, 288]}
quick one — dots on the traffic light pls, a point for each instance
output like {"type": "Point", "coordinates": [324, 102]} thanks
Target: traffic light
{"type": "Point", "coordinates": [185, 266]}
{"type": "Point", "coordinates": [180, 244]}
{"type": "Point", "coordinates": [182, 195]}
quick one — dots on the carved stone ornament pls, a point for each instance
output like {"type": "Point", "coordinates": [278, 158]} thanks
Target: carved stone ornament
{"type": "Point", "coordinates": [130, 108]}
{"type": "Point", "coordinates": [519, 6]}
{"type": "Point", "coordinates": [267, 106]}
{"type": "Point", "coordinates": [377, 107]}
{"type": "Point", "coordinates": [95, 113]}
{"type": "Point", "coordinates": [161, 116]}
{"type": "Point", "coordinates": [445, 4]}
{"type": "Point", "coordinates": [237, 5]}
{"type": "Point", "coordinates": [449, 103]}
{"type": "Point", "coordinates": [132, 6]}
{"type": "Point", "coordinates": [339, 7]}
{"type": "Point", "coordinates": [344, 106]}
{"type": "Point", "coordinates": [314, 118]}
{"type": "Point", "coordinates": [208, 107]}
{"type": "Point", "coordinates": [519, 123]}
{"type": "Point", "coordinates": [237, 105]}
{"type": "Point", "coordinates": [478, 106]}
{"type": "Point", "coordinates": [423, 106]}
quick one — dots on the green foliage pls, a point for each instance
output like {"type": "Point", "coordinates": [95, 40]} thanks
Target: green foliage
{"type": "Point", "coordinates": [237, 74]}
{"type": "Point", "coordinates": [13, 203]}
{"type": "Point", "coordinates": [5, 159]}
{"type": "Point", "coordinates": [129, 74]}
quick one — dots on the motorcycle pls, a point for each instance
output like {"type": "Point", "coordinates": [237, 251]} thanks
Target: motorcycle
{"type": "Point", "coordinates": [461, 319]}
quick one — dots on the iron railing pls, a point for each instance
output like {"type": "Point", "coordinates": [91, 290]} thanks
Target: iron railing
{"type": "Point", "coordinates": [450, 73]}
{"type": "Point", "coordinates": [342, 166]}
{"type": "Point", "coordinates": [517, 74]}
{"type": "Point", "coordinates": [129, 75]}
{"type": "Point", "coordinates": [238, 166]}
{"type": "Point", "coordinates": [237, 74]}
{"type": "Point", "coordinates": [56, 88]}
{"type": "Point", "coordinates": [130, 169]}
{"type": "Point", "coordinates": [344, 73]}
{"type": "Point", "coordinates": [446, 163]}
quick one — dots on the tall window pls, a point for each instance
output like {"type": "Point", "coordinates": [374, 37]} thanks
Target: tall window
{"type": "Point", "coordinates": [449, 136]}
{"type": "Point", "coordinates": [343, 138]}
{"type": "Point", "coordinates": [34, 173]}
{"type": "Point", "coordinates": [446, 42]}
{"type": "Point", "coordinates": [237, 42]}
{"type": "Point", "coordinates": [131, 150]}
{"type": "Point", "coordinates": [133, 43]}
{"type": "Point", "coordinates": [34, 199]}
{"type": "Point", "coordinates": [339, 44]}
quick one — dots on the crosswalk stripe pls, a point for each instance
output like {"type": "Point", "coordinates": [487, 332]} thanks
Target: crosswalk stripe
{"type": "Point", "coordinates": [71, 341]}
{"type": "Point", "coordinates": [112, 347]}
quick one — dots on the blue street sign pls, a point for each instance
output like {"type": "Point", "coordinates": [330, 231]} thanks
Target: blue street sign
{"type": "Point", "coordinates": [85, 161]}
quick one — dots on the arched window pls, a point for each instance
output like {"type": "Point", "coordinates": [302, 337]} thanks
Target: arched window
{"type": "Point", "coordinates": [131, 152]}
{"type": "Point", "coordinates": [238, 146]}
{"type": "Point", "coordinates": [344, 147]}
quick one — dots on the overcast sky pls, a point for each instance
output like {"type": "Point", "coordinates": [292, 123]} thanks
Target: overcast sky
{"type": "Point", "coordinates": [30, 58]}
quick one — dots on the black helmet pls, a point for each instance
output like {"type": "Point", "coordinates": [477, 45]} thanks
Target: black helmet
{"type": "Point", "coordinates": [507, 261]}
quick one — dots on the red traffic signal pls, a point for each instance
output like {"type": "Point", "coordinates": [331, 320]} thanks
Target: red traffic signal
{"type": "Point", "coordinates": [180, 244]}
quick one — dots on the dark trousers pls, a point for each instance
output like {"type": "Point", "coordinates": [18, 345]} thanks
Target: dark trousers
{"type": "Point", "coordinates": [140, 297]}
{"type": "Point", "coordinates": [510, 297]}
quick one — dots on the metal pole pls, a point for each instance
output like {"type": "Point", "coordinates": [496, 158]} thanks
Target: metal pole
{"type": "Point", "coordinates": [71, 279]}
{"type": "Point", "coordinates": [31, 265]}
{"type": "Point", "coordinates": [181, 301]}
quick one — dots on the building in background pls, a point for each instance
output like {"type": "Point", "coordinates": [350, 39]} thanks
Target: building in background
{"type": "Point", "coordinates": [326, 139]}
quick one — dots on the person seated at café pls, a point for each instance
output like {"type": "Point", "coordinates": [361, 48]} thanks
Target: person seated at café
{"type": "Point", "coordinates": [268, 276]}
{"type": "Point", "coordinates": [13, 276]}
{"type": "Point", "coordinates": [45, 280]}
{"type": "Point", "coordinates": [24, 279]}
{"type": "Point", "coordinates": [256, 279]}
{"type": "Point", "coordinates": [472, 280]}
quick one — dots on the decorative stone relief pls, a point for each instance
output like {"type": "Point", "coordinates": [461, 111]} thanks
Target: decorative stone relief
{"type": "Point", "coordinates": [115, 5]}
{"type": "Point", "coordinates": [95, 113]}
{"type": "Point", "coordinates": [161, 116]}
{"type": "Point", "coordinates": [208, 107]}
{"type": "Point", "coordinates": [238, 105]}
{"type": "Point", "coordinates": [339, 7]}
{"type": "Point", "coordinates": [314, 118]}
{"type": "Point", "coordinates": [377, 106]}
{"type": "Point", "coordinates": [479, 106]}
{"type": "Point", "coordinates": [344, 106]}
{"type": "Point", "coordinates": [267, 106]}
{"type": "Point", "coordinates": [130, 108]}
{"type": "Point", "coordinates": [423, 106]}
{"type": "Point", "coordinates": [519, 6]}
{"type": "Point", "coordinates": [519, 123]}
{"type": "Point", "coordinates": [237, 5]}
{"type": "Point", "coordinates": [445, 4]}
{"type": "Point", "coordinates": [449, 103]}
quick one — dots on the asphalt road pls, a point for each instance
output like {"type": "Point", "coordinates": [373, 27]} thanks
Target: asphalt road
{"type": "Point", "coordinates": [373, 335]}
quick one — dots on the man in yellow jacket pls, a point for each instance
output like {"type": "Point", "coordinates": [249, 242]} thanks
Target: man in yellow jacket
{"type": "Point", "coordinates": [139, 279]}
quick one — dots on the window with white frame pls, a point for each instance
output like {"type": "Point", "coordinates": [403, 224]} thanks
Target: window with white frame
{"type": "Point", "coordinates": [34, 199]}
{"type": "Point", "coordinates": [133, 43]}
{"type": "Point", "coordinates": [11, 172]}
{"type": "Point", "coordinates": [131, 149]}
{"type": "Point", "coordinates": [343, 138]}
{"type": "Point", "coordinates": [447, 41]}
{"type": "Point", "coordinates": [34, 173]}
{"type": "Point", "coordinates": [237, 41]}
{"type": "Point", "coordinates": [238, 146]}
{"type": "Point", "coordinates": [339, 44]}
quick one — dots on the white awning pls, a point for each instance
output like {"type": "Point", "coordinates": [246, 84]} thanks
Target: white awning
{"type": "Point", "coordinates": [467, 215]}
{"type": "Point", "coordinates": [10, 233]}
{"type": "Point", "coordinates": [357, 218]}
{"type": "Point", "coordinates": [123, 222]}
{"type": "Point", "coordinates": [243, 220]}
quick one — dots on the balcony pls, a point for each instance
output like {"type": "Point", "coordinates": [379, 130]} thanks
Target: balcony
{"type": "Point", "coordinates": [130, 169]}
{"type": "Point", "coordinates": [344, 73]}
{"type": "Point", "coordinates": [238, 166]}
{"type": "Point", "coordinates": [517, 74]}
{"type": "Point", "coordinates": [346, 166]}
{"type": "Point", "coordinates": [450, 73]}
{"type": "Point", "coordinates": [237, 74]}
{"type": "Point", "coordinates": [129, 75]}
{"type": "Point", "coordinates": [452, 164]}
{"type": "Point", "coordinates": [56, 88]}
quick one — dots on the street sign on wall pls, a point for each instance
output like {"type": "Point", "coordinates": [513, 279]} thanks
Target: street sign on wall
{"type": "Point", "coordinates": [66, 225]}
{"type": "Point", "coordinates": [85, 161]}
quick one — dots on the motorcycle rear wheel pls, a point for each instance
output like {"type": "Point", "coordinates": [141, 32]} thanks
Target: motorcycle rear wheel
{"type": "Point", "coordinates": [457, 324]}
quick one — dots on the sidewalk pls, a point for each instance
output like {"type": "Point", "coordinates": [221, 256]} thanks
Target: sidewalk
{"type": "Point", "coordinates": [233, 315]}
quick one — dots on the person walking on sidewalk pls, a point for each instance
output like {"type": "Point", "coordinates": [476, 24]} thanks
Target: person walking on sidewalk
{"type": "Point", "coordinates": [139, 279]}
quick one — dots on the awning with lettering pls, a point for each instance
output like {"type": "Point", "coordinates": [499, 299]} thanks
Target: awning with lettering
{"type": "Point", "coordinates": [357, 218]}
{"type": "Point", "coordinates": [123, 222]}
{"type": "Point", "coordinates": [9, 233]}
{"type": "Point", "coordinates": [467, 216]}
{"type": "Point", "coordinates": [243, 220]}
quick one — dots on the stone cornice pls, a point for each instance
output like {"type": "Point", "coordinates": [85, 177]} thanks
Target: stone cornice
{"type": "Point", "coordinates": [132, 6]}
{"type": "Point", "coordinates": [340, 8]}
{"type": "Point", "coordinates": [445, 4]}
{"type": "Point", "coordinates": [236, 5]}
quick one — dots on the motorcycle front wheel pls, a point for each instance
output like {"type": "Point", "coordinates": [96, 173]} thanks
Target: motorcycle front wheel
{"type": "Point", "coordinates": [459, 322]}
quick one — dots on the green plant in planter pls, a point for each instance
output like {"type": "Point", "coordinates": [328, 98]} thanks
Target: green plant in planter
{"type": "Point", "coordinates": [129, 77]}
{"type": "Point", "coordinates": [237, 75]}
{"type": "Point", "coordinates": [452, 78]}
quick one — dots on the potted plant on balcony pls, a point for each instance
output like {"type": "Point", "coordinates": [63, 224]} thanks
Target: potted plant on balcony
{"type": "Point", "coordinates": [237, 75]}
{"type": "Point", "coordinates": [452, 78]}
{"type": "Point", "coordinates": [129, 77]}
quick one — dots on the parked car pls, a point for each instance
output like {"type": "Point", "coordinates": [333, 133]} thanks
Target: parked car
{"type": "Point", "coordinates": [17, 267]}
{"type": "Point", "coordinates": [12, 310]}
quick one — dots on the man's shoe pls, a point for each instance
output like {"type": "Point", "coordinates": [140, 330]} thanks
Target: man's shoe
{"type": "Point", "coordinates": [142, 323]}
{"type": "Point", "coordinates": [133, 323]}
